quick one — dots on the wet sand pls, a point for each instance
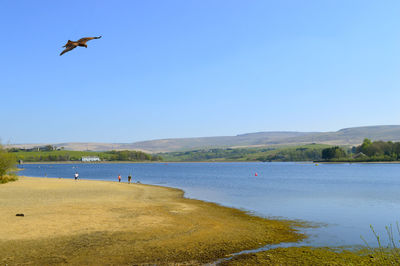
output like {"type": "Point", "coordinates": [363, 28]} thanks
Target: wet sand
{"type": "Point", "coordinates": [313, 256]}
{"type": "Point", "coordinates": [97, 222]}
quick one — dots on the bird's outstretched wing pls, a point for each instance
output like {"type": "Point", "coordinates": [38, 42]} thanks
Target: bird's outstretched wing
{"type": "Point", "coordinates": [69, 48]}
{"type": "Point", "coordinates": [69, 43]}
{"type": "Point", "coordinates": [86, 39]}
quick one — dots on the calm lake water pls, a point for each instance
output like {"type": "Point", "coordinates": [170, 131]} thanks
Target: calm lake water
{"type": "Point", "coordinates": [343, 198]}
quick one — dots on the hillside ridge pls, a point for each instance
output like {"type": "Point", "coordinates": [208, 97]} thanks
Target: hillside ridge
{"type": "Point", "coordinates": [345, 136]}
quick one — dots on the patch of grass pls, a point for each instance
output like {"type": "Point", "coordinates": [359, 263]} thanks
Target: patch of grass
{"type": "Point", "coordinates": [8, 178]}
{"type": "Point", "coordinates": [389, 255]}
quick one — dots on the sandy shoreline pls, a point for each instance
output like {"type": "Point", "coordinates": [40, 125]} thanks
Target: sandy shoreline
{"type": "Point", "coordinates": [98, 222]}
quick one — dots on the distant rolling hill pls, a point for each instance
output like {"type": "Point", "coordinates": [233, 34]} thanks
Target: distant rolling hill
{"type": "Point", "coordinates": [346, 136]}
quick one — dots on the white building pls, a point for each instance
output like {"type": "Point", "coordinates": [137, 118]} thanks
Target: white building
{"type": "Point", "coordinates": [90, 159]}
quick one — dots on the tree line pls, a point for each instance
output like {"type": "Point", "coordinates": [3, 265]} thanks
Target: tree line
{"type": "Point", "coordinates": [47, 154]}
{"type": "Point", "coordinates": [293, 155]}
{"type": "Point", "coordinates": [228, 154]}
{"type": "Point", "coordinates": [368, 151]}
{"type": "Point", "coordinates": [131, 156]}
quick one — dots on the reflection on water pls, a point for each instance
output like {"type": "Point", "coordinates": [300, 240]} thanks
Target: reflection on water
{"type": "Point", "coordinates": [346, 198]}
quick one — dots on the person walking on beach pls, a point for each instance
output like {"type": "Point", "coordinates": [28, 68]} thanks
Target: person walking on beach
{"type": "Point", "coordinates": [76, 175]}
{"type": "Point", "coordinates": [129, 178]}
{"type": "Point", "coordinates": [119, 178]}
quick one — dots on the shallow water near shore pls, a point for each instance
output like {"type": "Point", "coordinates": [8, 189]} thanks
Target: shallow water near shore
{"type": "Point", "coordinates": [344, 199]}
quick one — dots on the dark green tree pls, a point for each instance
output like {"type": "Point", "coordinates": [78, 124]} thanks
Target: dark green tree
{"type": "Point", "coordinates": [333, 153]}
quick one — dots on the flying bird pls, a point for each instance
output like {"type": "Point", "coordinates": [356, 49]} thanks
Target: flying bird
{"type": "Point", "coordinates": [81, 42]}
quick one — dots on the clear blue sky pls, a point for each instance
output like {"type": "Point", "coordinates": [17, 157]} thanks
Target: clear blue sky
{"type": "Point", "coordinates": [195, 68]}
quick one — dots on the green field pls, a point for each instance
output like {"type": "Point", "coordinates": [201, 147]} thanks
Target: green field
{"type": "Point", "coordinates": [368, 151]}
{"type": "Point", "coordinates": [310, 152]}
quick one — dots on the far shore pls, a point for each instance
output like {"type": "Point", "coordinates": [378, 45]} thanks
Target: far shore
{"type": "Point", "coordinates": [122, 162]}
{"type": "Point", "coordinates": [166, 162]}
{"type": "Point", "coordinates": [377, 162]}
{"type": "Point", "coordinates": [80, 162]}
{"type": "Point", "coordinates": [101, 223]}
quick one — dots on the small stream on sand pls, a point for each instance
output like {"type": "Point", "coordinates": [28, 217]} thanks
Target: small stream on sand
{"type": "Point", "coordinates": [265, 248]}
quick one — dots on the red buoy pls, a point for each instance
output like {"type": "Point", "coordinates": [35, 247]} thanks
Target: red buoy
{"type": "Point", "coordinates": [256, 174]}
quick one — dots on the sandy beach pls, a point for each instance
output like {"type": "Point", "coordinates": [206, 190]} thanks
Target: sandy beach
{"type": "Point", "coordinates": [96, 223]}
